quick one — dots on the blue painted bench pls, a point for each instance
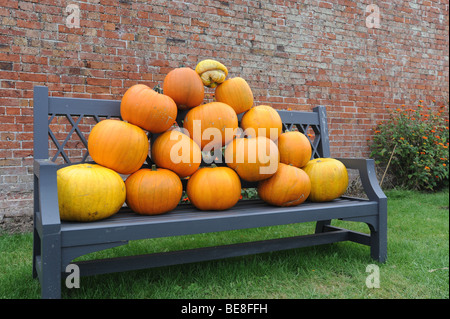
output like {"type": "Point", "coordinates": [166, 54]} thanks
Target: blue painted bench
{"type": "Point", "coordinates": [57, 243]}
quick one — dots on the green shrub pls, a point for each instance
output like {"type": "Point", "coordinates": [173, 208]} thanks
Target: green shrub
{"type": "Point", "coordinates": [414, 142]}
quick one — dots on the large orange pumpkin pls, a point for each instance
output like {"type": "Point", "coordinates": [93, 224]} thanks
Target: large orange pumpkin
{"type": "Point", "coordinates": [176, 151]}
{"type": "Point", "coordinates": [235, 92]}
{"type": "Point", "coordinates": [185, 87]}
{"type": "Point", "coordinates": [289, 186]}
{"type": "Point", "coordinates": [89, 192]}
{"type": "Point", "coordinates": [254, 158]}
{"type": "Point", "coordinates": [152, 192]}
{"type": "Point", "coordinates": [295, 148]}
{"type": "Point", "coordinates": [214, 188]}
{"type": "Point", "coordinates": [148, 109]}
{"type": "Point", "coordinates": [262, 120]}
{"type": "Point", "coordinates": [118, 145]}
{"type": "Point", "coordinates": [212, 124]}
{"type": "Point", "coordinates": [329, 179]}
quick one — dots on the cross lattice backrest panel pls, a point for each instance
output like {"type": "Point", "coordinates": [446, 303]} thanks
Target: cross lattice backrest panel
{"type": "Point", "coordinates": [68, 136]}
{"type": "Point", "coordinates": [62, 126]}
{"type": "Point", "coordinates": [313, 125]}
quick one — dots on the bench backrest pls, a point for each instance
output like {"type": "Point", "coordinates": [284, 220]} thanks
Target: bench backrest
{"type": "Point", "coordinates": [60, 120]}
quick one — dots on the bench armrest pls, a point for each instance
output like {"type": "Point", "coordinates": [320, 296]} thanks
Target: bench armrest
{"type": "Point", "coordinates": [366, 168]}
{"type": "Point", "coordinates": [46, 206]}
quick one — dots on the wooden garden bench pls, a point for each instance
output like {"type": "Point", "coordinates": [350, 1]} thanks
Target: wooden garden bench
{"type": "Point", "coordinates": [57, 243]}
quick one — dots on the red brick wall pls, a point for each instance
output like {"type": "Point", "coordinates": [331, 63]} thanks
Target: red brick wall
{"type": "Point", "coordinates": [294, 54]}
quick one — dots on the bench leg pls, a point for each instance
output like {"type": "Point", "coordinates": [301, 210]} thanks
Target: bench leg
{"type": "Point", "coordinates": [320, 225]}
{"type": "Point", "coordinates": [51, 267]}
{"type": "Point", "coordinates": [377, 240]}
{"type": "Point", "coordinates": [36, 251]}
{"type": "Point", "coordinates": [378, 244]}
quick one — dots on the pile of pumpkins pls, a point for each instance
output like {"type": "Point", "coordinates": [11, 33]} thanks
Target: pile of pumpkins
{"type": "Point", "coordinates": [256, 150]}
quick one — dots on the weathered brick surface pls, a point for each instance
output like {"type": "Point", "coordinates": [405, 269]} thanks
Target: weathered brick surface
{"type": "Point", "coordinates": [294, 54]}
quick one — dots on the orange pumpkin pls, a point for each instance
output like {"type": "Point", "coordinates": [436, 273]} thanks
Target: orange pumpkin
{"type": "Point", "coordinates": [212, 124]}
{"type": "Point", "coordinates": [153, 192]}
{"type": "Point", "coordinates": [289, 186]}
{"type": "Point", "coordinates": [235, 92]}
{"type": "Point", "coordinates": [120, 146]}
{"type": "Point", "coordinates": [214, 188]}
{"type": "Point", "coordinates": [329, 179]}
{"type": "Point", "coordinates": [148, 109]}
{"type": "Point", "coordinates": [254, 158]}
{"type": "Point", "coordinates": [295, 148]}
{"type": "Point", "coordinates": [262, 120]}
{"type": "Point", "coordinates": [176, 151]}
{"type": "Point", "coordinates": [185, 87]}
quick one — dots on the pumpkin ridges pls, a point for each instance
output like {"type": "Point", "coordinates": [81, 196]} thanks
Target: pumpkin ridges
{"type": "Point", "coordinates": [164, 118]}
{"type": "Point", "coordinates": [148, 109]}
{"type": "Point", "coordinates": [289, 186]}
{"type": "Point", "coordinates": [211, 115]}
{"type": "Point", "coordinates": [294, 148]}
{"type": "Point", "coordinates": [142, 155]}
{"type": "Point", "coordinates": [259, 120]}
{"type": "Point", "coordinates": [243, 156]}
{"type": "Point", "coordinates": [306, 189]}
{"type": "Point", "coordinates": [185, 87]}
{"type": "Point", "coordinates": [114, 144]}
{"type": "Point", "coordinates": [214, 188]}
{"type": "Point", "coordinates": [235, 92]}
{"type": "Point", "coordinates": [329, 179]}
{"type": "Point", "coordinates": [162, 147]}
{"type": "Point", "coordinates": [153, 192]}
{"type": "Point", "coordinates": [138, 193]}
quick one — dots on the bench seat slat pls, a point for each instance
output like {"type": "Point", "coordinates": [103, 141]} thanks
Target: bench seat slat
{"type": "Point", "coordinates": [185, 220]}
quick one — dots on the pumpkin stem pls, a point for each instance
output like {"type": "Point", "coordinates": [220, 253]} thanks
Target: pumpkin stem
{"type": "Point", "coordinates": [158, 89]}
{"type": "Point", "coordinates": [154, 167]}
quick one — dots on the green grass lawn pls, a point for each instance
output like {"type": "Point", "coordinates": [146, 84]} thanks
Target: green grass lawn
{"type": "Point", "coordinates": [417, 265]}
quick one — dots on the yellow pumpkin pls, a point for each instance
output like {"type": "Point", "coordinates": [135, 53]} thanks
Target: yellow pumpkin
{"type": "Point", "coordinates": [329, 179]}
{"type": "Point", "coordinates": [89, 192]}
